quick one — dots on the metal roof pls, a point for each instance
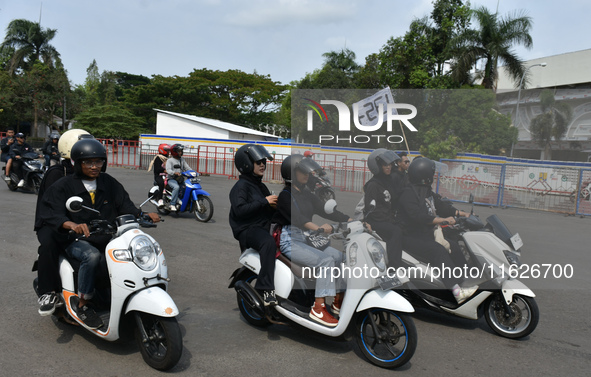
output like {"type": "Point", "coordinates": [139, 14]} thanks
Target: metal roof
{"type": "Point", "coordinates": [219, 124]}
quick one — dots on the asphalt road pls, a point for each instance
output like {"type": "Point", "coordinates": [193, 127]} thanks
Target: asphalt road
{"type": "Point", "coordinates": [218, 342]}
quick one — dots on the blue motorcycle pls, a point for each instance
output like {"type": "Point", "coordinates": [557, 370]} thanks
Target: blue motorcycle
{"type": "Point", "coordinates": [192, 197]}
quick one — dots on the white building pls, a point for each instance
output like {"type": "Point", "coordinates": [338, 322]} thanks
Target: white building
{"type": "Point", "coordinates": [569, 75]}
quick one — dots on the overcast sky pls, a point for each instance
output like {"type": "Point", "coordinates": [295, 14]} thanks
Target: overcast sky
{"type": "Point", "coordinates": [281, 38]}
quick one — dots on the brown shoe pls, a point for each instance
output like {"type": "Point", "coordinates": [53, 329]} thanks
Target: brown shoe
{"type": "Point", "coordinates": [322, 316]}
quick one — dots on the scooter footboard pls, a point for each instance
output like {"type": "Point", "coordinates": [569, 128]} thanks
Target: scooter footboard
{"type": "Point", "coordinates": [378, 298]}
{"type": "Point", "coordinates": [515, 287]}
{"type": "Point", "coordinates": [153, 300]}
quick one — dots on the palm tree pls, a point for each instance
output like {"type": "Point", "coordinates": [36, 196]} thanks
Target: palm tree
{"type": "Point", "coordinates": [552, 123]}
{"type": "Point", "coordinates": [493, 43]}
{"type": "Point", "coordinates": [343, 60]}
{"type": "Point", "coordinates": [27, 42]}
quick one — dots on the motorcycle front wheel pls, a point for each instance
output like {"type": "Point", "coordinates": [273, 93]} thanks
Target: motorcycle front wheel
{"type": "Point", "coordinates": [387, 339]}
{"type": "Point", "coordinates": [163, 345]}
{"type": "Point", "coordinates": [522, 322]}
{"type": "Point", "coordinates": [205, 212]}
{"type": "Point", "coordinates": [36, 183]}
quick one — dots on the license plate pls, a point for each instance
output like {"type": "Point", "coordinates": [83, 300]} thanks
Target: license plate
{"type": "Point", "coordinates": [516, 241]}
{"type": "Point", "coordinates": [387, 283]}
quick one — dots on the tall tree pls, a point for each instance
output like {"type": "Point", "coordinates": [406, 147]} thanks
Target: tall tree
{"type": "Point", "coordinates": [552, 123]}
{"type": "Point", "coordinates": [493, 43]}
{"type": "Point", "coordinates": [28, 42]}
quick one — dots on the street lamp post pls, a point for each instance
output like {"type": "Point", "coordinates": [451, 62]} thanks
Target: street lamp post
{"type": "Point", "coordinates": [519, 97]}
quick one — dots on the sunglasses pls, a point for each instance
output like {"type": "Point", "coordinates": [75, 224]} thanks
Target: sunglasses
{"type": "Point", "coordinates": [93, 163]}
{"type": "Point", "coordinates": [261, 162]}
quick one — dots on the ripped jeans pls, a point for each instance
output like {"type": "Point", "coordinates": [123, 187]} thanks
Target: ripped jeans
{"type": "Point", "coordinates": [293, 245]}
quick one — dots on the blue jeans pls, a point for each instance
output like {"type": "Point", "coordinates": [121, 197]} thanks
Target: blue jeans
{"type": "Point", "coordinates": [293, 245]}
{"type": "Point", "coordinates": [175, 191]}
{"type": "Point", "coordinates": [89, 258]}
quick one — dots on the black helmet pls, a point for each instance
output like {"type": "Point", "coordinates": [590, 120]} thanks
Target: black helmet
{"type": "Point", "coordinates": [421, 171]}
{"type": "Point", "coordinates": [247, 155]}
{"type": "Point", "coordinates": [86, 149]}
{"type": "Point", "coordinates": [297, 161]}
{"type": "Point", "coordinates": [379, 158]}
{"type": "Point", "coordinates": [177, 150]}
{"type": "Point", "coordinates": [21, 135]}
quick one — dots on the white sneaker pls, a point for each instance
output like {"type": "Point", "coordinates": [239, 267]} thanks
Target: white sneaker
{"type": "Point", "coordinates": [21, 183]}
{"type": "Point", "coordinates": [462, 294]}
{"type": "Point", "coordinates": [161, 203]}
{"type": "Point", "coordinates": [7, 179]}
{"type": "Point", "coordinates": [172, 208]}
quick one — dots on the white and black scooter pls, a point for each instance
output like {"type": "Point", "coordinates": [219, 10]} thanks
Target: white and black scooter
{"type": "Point", "coordinates": [139, 300]}
{"type": "Point", "coordinates": [493, 256]}
{"type": "Point", "coordinates": [375, 314]}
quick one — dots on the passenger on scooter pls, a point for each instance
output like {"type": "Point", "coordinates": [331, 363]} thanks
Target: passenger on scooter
{"type": "Point", "coordinates": [51, 242]}
{"type": "Point", "coordinates": [159, 166]}
{"type": "Point", "coordinates": [175, 165]}
{"type": "Point", "coordinates": [17, 150]}
{"type": "Point", "coordinates": [99, 191]}
{"type": "Point", "coordinates": [251, 209]}
{"type": "Point", "coordinates": [384, 188]}
{"type": "Point", "coordinates": [420, 211]}
{"type": "Point", "coordinates": [404, 163]}
{"type": "Point", "coordinates": [5, 144]}
{"type": "Point", "coordinates": [296, 207]}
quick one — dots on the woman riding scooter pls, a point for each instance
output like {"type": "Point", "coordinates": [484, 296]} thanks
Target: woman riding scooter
{"type": "Point", "coordinates": [296, 206]}
{"type": "Point", "coordinates": [159, 166]}
{"type": "Point", "coordinates": [420, 211]}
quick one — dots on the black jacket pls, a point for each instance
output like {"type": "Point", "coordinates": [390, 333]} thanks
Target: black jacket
{"type": "Point", "coordinates": [49, 148]}
{"type": "Point", "coordinates": [248, 205]}
{"type": "Point", "coordinates": [52, 175]}
{"type": "Point", "coordinates": [111, 200]}
{"type": "Point", "coordinates": [4, 145]}
{"type": "Point", "coordinates": [17, 149]}
{"type": "Point", "coordinates": [386, 191]}
{"type": "Point", "coordinates": [415, 215]}
{"type": "Point", "coordinates": [298, 207]}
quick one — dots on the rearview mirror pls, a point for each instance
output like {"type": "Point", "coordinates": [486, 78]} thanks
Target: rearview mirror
{"type": "Point", "coordinates": [74, 204]}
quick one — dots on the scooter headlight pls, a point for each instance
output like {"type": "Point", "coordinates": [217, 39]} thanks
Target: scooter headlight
{"type": "Point", "coordinates": [353, 254]}
{"type": "Point", "coordinates": [145, 252]}
{"type": "Point", "coordinates": [377, 253]}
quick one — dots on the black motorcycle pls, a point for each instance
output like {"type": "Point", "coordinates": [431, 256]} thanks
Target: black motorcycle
{"type": "Point", "coordinates": [319, 184]}
{"type": "Point", "coordinates": [32, 173]}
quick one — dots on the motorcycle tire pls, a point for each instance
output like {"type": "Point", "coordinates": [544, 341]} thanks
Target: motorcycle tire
{"type": "Point", "coordinates": [251, 317]}
{"type": "Point", "coordinates": [206, 209]}
{"type": "Point", "coordinates": [12, 186]}
{"type": "Point", "coordinates": [326, 194]}
{"type": "Point", "coordinates": [396, 339]}
{"type": "Point", "coordinates": [522, 323]}
{"type": "Point", "coordinates": [164, 346]}
{"type": "Point", "coordinates": [36, 183]}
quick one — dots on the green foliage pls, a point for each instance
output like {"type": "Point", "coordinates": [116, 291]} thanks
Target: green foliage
{"type": "Point", "coordinates": [465, 121]}
{"type": "Point", "coordinates": [110, 121]}
{"type": "Point", "coordinates": [493, 43]}
{"type": "Point", "coordinates": [552, 123]}
{"type": "Point", "coordinates": [28, 42]}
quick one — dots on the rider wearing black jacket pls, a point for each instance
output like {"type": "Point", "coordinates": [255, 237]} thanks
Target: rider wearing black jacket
{"type": "Point", "coordinates": [252, 207]}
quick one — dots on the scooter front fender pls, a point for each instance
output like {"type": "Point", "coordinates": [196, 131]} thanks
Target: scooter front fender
{"type": "Point", "coordinates": [198, 192]}
{"type": "Point", "coordinates": [513, 287]}
{"type": "Point", "coordinates": [378, 298]}
{"type": "Point", "coordinates": [152, 300]}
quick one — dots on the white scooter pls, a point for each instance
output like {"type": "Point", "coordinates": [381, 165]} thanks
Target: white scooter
{"type": "Point", "coordinates": [377, 315]}
{"type": "Point", "coordinates": [138, 290]}
{"type": "Point", "coordinates": [493, 259]}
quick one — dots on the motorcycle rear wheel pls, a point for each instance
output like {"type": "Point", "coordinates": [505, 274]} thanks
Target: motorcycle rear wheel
{"type": "Point", "coordinates": [36, 183]}
{"type": "Point", "coordinates": [326, 194]}
{"type": "Point", "coordinates": [251, 317]}
{"type": "Point", "coordinates": [12, 186]}
{"type": "Point", "coordinates": [524, 321]}
{"type": "Point", "coordinates": [164, 346]}
{"type": "Point", "coordinates": [396, 339]}
{"type": "Point", "coordinates": [206, 212]}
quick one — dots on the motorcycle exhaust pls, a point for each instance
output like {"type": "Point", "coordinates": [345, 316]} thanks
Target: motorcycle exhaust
{"type": "Point", "coordinates": [250, 298]}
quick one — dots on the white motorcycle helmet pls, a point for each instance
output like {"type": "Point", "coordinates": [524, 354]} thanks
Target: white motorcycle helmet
{"type": "Point", "coordinates": [68, 139]}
